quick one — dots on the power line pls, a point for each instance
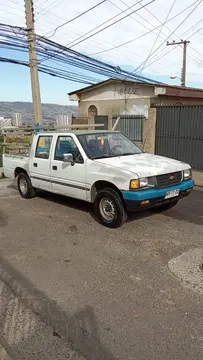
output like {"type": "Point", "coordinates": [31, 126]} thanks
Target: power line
{"type": "Point", "coordinates": [95, 28]}
{"type": "Point", "coordinates": [45, 1]}
{"type": "Point", "coordinates": [76, 17]}
{"type": "Point", "coordinates": [153, 45]}
{"type": "Point", "coordinates": [107, 25]}
{"type": "Point", "coordinates": [195, 33]}
{"type": "Point", "coordinates": [173, 31]}
{"type": "Point", "coordinates": [54, 72]}
{"type": "Point", "coordinates": [115, 22]}
{"type": "Point", "coordinates": [177, 47]}
{"type": "Point", "coordinates": [150, 30]}
{"type": "Point", "coordinates": [71, 57]}
{"type": "Point", "coordinates": [169, 51]}
{"type": "Point", "coordinates": [48, 8]}
{"type": "Point", "coordinates": [141, 36]}
{"type": "Point", "coordinates": [125, 12]}
{"type": "Point", "coordinates": [100, 43]}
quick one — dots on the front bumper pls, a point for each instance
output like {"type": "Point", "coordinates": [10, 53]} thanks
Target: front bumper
{"type": "Point", "coordinates": [144, 199]}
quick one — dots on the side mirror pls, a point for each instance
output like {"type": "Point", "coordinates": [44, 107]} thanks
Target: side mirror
{"type": "Point", "coordinates": [68, 158]}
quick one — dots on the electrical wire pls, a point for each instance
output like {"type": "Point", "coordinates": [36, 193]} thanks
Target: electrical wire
{"type": "Point", "coordinates": [76, 17]}
{"type": "Point", "coordinates": [54, 72]}
{"type": "Point", "coordinates": [95, 42]}
{"type": "Point", "coordinates": [44, 49]}
{"type": "Point", "coordinates": [48, 8]}
{"type": "Point", "coordinates": [172, 32]}
{"type": "Point", "coordinates": [152, 30]}
{"type": "Point", "coordinates": [115, 22]}
{"type": "Point", "coordinates": [158, 57]}
{"type": "Point", "coordinates": [158, 35]}
{"type": "Point", "coordinates": [95, 28]}
{"type": "Point", "coordinates": [141, 36]}
{"type": "Point", "coordinates": [69, 56]}
{"type": "Point", "coordinates": [106, 27]}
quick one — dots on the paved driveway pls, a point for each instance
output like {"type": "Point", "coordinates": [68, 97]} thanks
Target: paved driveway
{"type": "Point", "coordinates": [114, 295]}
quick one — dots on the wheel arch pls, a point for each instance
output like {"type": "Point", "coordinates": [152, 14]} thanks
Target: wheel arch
{"type": "Point", "coordinates": [19, 170]}
{"type": "Point", "coordinates": [102, 184]}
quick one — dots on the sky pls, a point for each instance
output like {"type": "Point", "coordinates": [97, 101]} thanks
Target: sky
{"type": "Point", "coordinates": [144, 31]}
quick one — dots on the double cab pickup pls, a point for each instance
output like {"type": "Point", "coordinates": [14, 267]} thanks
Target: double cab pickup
{"type": "Point", "coordinates": [101, 167]}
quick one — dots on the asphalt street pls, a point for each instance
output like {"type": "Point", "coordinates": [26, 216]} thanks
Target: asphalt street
{"type": "Point", "coordinates": [106, 294]}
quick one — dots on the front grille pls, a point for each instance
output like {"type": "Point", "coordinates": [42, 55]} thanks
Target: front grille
{"type": "Point", "coordinates": [169, 179]}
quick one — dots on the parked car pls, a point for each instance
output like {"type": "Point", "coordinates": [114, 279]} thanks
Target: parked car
{"type": "Point", "coordinates": [101, 167]}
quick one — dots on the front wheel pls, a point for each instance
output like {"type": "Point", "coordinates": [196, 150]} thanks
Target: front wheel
{"type": "Point", "coordinates": [25, 187]}
{"type": "Point", "coordinates": [109, 208]}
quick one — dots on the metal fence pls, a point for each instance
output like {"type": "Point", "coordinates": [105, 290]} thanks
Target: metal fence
{"type": "Point", "coordinates": [131, 126]}
{"type": "Point", "coordinates": [101, 119]}
{"type": "Point", "coordinates": [179, 133]}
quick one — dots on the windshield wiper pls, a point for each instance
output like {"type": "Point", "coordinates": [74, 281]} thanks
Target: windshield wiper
{"type": "Point", "coordinates": [105, 156]}
{"type": "Point", "coordinates": [129, 154]}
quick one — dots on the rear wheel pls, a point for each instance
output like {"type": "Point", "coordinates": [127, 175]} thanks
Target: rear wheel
{"type": "Point", "coordinates": [165, 207]}
{"type": "Point", "coordinates": [109, 208]}
{"type": "Point", "coordinates": [25, 187]}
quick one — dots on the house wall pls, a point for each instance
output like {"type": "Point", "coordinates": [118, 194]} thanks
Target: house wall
{"type": "Point", "coordinates": [117, 98]}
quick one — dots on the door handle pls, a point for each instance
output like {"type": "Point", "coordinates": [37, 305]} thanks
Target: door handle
{"type": "Point", "coordinates": [54, 167]}
{"type": "Point", "coordinates": [35, 164]}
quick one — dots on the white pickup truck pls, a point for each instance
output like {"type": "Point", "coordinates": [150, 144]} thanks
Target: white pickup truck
{"type": "Point", "coordinates": [101, 167]}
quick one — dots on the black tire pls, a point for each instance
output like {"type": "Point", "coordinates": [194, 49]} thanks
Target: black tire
{"type": "Point", "coordinates": [28, 192]}
{"type": "Point", "coordinates": [165, 207]}
{"type": "Point", "coordinates": [115, 203]}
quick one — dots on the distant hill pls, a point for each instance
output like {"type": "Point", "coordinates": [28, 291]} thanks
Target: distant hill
{"type": "Point", "coordinates": [50, 111]}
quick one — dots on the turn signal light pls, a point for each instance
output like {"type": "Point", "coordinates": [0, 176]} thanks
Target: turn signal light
{"type": "Point", "coordinates": [135, 184]}
{"type": "Point", "coordinates": [144, 202]}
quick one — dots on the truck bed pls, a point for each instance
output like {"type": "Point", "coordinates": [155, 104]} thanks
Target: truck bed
{"type": "Point", "coordinates": [12, 161]}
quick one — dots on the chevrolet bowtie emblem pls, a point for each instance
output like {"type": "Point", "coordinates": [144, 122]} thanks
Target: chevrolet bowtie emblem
{"type": "Point", "coordinates": [171, 177]}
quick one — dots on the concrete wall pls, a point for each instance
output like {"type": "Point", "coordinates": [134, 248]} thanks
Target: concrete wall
{"type": "Point", "coordinates": [116, 107]}
{"type": "Point", "coordinates": [149, 131]}
{"type": "Point", "coordinates": [116, 98]}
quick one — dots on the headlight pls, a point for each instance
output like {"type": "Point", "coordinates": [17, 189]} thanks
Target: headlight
{"type": "Point", "coordinates": [144, 182]}
{"type": "Point", "coordinates": [138, 183]}
{"type": "Point", "coordinates": [187, 174]}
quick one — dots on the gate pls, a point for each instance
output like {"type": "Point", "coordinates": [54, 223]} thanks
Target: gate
{"type": "Point", "coordinates": [131, 126]}
{"type": "Point", "coordinates": [101, 119]}
{"type": "Point", "coordinates": [179, 133]}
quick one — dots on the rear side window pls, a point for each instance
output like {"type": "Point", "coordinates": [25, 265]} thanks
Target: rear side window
{"type": "Point", "coordinates": [43, 147]}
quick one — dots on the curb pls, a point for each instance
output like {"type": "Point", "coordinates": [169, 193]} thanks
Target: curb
{"type": "Point", "coordinates": [198, 185]}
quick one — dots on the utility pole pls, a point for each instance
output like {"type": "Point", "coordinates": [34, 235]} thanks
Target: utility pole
{"type": "Point", "coordinates": [183, 72]}
{"type": "Point", "coordinates": [31, 36]}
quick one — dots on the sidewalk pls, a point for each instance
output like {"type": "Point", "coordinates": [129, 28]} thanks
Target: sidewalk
{"type": "Point", "coordinates": [198, 178]}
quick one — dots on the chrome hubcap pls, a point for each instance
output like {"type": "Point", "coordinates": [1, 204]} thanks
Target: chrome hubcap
{"type": "Point", "coordinates": [107, 209]}
{"type": "Point", "coordinates": [23, 186]}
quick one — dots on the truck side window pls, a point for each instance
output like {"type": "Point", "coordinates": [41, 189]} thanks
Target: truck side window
{"type": "Point", "coordinates": [66, 145]}
{"type": "Point", "coordinates": [43, 147]}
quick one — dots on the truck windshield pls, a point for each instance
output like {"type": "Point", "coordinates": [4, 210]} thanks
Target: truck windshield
{"type": "Point", "coordinates": [107, 144]}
